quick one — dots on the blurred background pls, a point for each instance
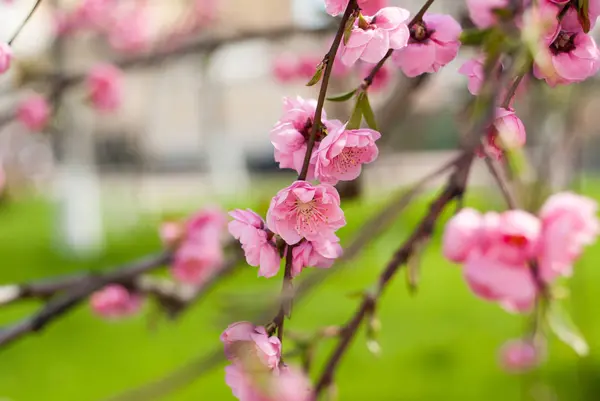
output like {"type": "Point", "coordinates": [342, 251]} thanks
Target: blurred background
{"type": "Point", "coordinates": [204, 83]}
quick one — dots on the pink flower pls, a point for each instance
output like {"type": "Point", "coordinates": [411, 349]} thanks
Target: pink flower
{"type": "Point", "coordinates": [306, 211]}
{"type": "Point", "coordinates": [342, 153]}
{"type": "Point", "coordinates": [519, 356]}
{"type": "Point", "coordinates": [251, 344]}
{"type": "Point", "coordinates": [473, 69]}
{"type": "Point", "coordinates": [257, 242]}
{"type": "Point", "coordinates": [207, 223]}
{"type": "Point", "coordinates": [284, 68]}
{"type": "Point", "coordinates": [433, 43]}
{"type": "Point", "coordinates": [337, 7]}
{"type": "Point", "coordinates": [462, 235]}
{"type": "Point", "coordinates": [493, 279]}
{"type": "Point", "coordinates": [291, 133]}
{"type": "Point", "coordinates": [105, 86]}
{"type": "Point", "coordinates": [381, 79]}
{"type": "Point", "coordinates": [319, 254]}
{"type": "Point", "coordinates": [373, 36]}
{"type": "Point", "coordinates": [569, 223]}
{"type": "Point", "coordinates": [6, 55]}
{"type": "Point", "coordinates": [307, 66]}
{"type": "Point", "coordinates": [507, 132]}
{"type": "Point", "coordinates": [481, 11]}
{"type": "Point", "coordinates": [34, 112]}
{"type": "Point", "coordinates": [570, 21]}
{"type": "Point", "coordinates": [288, 385]}
{"type": "Point", "coordinates": [131, 32]}
{"type": "Point", "coordinates": [574, 57]}
{"type": "Point", "coordinates": [115, 301]}
{"type": "Point", "coordinates": [170, 232]}
{"type": "Point", "coordinates": [514, 236]}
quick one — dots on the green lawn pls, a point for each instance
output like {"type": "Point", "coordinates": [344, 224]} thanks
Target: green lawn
{"type": "Point", "coordinates": [438, 345]}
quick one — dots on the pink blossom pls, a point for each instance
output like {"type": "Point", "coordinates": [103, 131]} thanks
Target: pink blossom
{"type": "Point", "coordinates": [462, 235]}
{"type": "Point", "coordinates": [105, 87]}
{"type": "Point", "coordinates": [291, 133]}
{"type": "Point", "coordinates": [34, 112]}
{"type": "Point", "coordinates": [130, 32]}
{"type": "Point", "coordinates": [481, 11]}
{"type": "Point", "coordinates": [94, 14]}
{"type": "Point", "coordinates": [251, 344]}
{"type": "Point", "coordinates": [473, 69]}
{"type": "Point", "coordinates": [381, 79]}
{"type": "Point", "coordinates": [570, 21]}
{"type": "Point", "coordinates": [337, 7]}
{"type": "Point", "coordinates": [493, 279]}
{"type": "Point", "coordinates": [208, 223]}
{"type": "Point", "coordinates": [257, 242]}
{"type": "Point", "coordinates": [569, 223]}
{"type": "Point", "coordinates": [170, 232]}
{"type": "Point", "coordinates": [433, 43]}
{"type": "Point", "coordinates": [115, 301]}
{"type": "Point", "coordinates": [6, 55]}
{"type": "Point", "coordinates": [288, 385]}
{"type": "Point", "coordinates": [342, 153]}
{"type": "Point", "coordinates": [514, 236]}
{"type": "Point", "coordinates": [372, 37]}
{"type": "Point", "coordinates": [319, 254]}
{"type": "Point", "coordinates": [507, 132]}
{"type": "Point", "coordinates": [285, 68]}
{"type": "Point", "coordinates": [306, 211]}
{"type": "Point", "coordinates": [574, 57]}
{"type": "Point", "coordinates": [519, 356]}
{"type": "Point", "coordinates": [307, 66]}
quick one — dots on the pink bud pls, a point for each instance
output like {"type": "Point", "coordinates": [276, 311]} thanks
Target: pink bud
{"type": "Point", "coordinates": [105, 87]}
{"type": "Point", "coordinates": [518, 356]}
{"type": "Point", "coordinates": [6, 55]}
{"type": "Point", "coordinates": [34, 112]}
{"type": "Point", "coordinates": [115, 301]}
{"type": "Point", "coordinates": [462, 235]}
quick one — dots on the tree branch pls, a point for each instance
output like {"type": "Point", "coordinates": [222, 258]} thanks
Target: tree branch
{"type": "Point", "coordinates": [25, 21]}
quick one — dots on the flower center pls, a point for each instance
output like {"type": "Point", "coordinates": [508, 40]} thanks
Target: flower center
{"type": "Point", "coordinates": [419, 32]}
{"type": "Point", "coordinates": [308, 216]}
{"type": "Point", "coordinates": [305, 131]}
{"type": "Point", "coordinates": [366, 25]}
{"type": "Point", "coordinates": [348, 159]}
{"type": "Point", "coordinates": [563, 43]}
{"type": "Point", "coordinates": [519, 241]}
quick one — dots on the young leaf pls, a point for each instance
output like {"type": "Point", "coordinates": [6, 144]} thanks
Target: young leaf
{"type": "Point", "coordinates": [342, 97]}
{"type": "Point", "coordinates": [368, 113]}
{"type": "Point", "coordinates": [583, 15]}
{"type": "Point", "coordinates": [348, 27]}
{"type": "Point", "coordinates": [318, 74]}
{"type": "Point", "coordinates": [561, 324]}
{"type": "Point", "coordinates": [356, 116]}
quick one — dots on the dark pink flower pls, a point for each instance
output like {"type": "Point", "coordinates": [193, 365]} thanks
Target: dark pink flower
{"type": "Point", "coordinates": [34, 112]}
{"type": "Point", "coordinates": [518, 356]}
{"type": "Point", "coordinates": [433, 43]}
{"type": "Point", "coordinates": [306, 211]}
{"type": "Point", "coordinates": [6, 55]}
{"type": "Point", "coordinates": [105, 87]}
{"type": "Point", "coordinates": [285, 68]}
{"type": "Point", "coordinates": [115, 301]}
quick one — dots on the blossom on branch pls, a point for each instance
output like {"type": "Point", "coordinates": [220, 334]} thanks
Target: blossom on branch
{"type": "Point", "coordinates": [320, 254]}
{"type": "Point", "coordinates": [251, 345]}
{"type": "Point", "coordinates": [257, 241]}
{"type": "Point", "coordinates": [373, 36]}
{"type": "Point", "coordinates": [34, 112]}
{"type": "Point", "coordinates": [434, 42]}
{"type": "Point", "coordinates": [507, 132]}
{"type": "Point", "coordinates": [105, 87]}
{"type": "Point", "coordinates": [518, 356]}
{"type": "Point", "coordinates": [115, 301]}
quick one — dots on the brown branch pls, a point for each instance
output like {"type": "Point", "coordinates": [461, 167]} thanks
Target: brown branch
{"type": "Point", "coordinates": [453, 190]}
{"type": "Point", "coordinates": [25, 21]}
{"type": "Point", "coordinates": [501, 180]}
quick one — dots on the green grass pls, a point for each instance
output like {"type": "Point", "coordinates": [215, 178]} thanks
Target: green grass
{"type": "Point", "coordinates": [438, 345]}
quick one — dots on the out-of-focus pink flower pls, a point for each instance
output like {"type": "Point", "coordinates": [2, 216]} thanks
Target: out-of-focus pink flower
{"type": "Point", "coordinates": [206, 10]}
{"type": "Point", "coordinates": [473, 70]}
{"type": "Point", "coordinates": [251, 345]}
{"type": "Point", "coordinates": [130, 32]}
{"type": "Point", "coordinates": [208, 223]}
{"type": "Point", "coordinates": [481, 12]}
{"type": "Point", "coordinates": [319, 254]}
{"type": "Point", "coordinates": [514, 237]}
{"type": "Point", "coordinates": [94, 14]}
{"type": "Point", "coordinates": [570, 21]}
{"type": "Point", "coordinates": [115, 301]}
{"type": "Point", "coordinates": [342, 153]}
{"type": "Point", "coordinates": [258, 244]}
{"type": "Point", "coordinates": [381, 79]}
{"type": "Point", "coordinates": [288, 385]}
{"type": "Point", "coordinates": [491, 278]}
{"type": "Point", "coordinates": [105, 87]}
{"type": "Point", "coordinates": [462, 235]}
{"type": "Point", "coordinates": [6, 55]}
{"type": "Point", "coordinates": [372, 37]}
{"type": "Point", "coordinates": [507, 132]}
{"type": "Point", "coordinates": [433, 43]}
{"type": "Point", "coordinates": [574, 57]}
{"type": "Point", "coordinates": [518, 356]}
{"type": "Point", "coordinates": [285, 68]}
{"type": "Point", "coordinates": [291, 133]}
{"type": "Point", "coordinates": [370, 7]}
{"type": "Point", "coordinates": [2, 180]}
{"type": "Point", "coordinates": [306, 211]}
{"type": "Point", "coordinates": [170, 232]}
{"type": "Point", "coordinates": [34, 112]}
{"type": "Point", "coordinates": [569, 223]}
{"type": "Point", "coordinates": [307, 66]}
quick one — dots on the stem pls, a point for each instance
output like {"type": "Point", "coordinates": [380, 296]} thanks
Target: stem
{"type": "Point", "coordinates": [417, 18]}
{"type": "Point", "coordinates": [328, 60]}
{"type": "Point", "coordinates": [511, 91]}
{"type": "Point", "coordinates": [27, 18]}
{"type": "Point", "coordinates": [501, 180]}
{"type": "Point", "coordinates": [286, 293]}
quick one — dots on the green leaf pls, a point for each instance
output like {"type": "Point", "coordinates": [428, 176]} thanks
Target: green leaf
{"type": "Point", "coordinates": [503, 13]}
{"type": "Point", "coordinates": [348, 27]}
{"type": "Point", "coordinates": [583, 15]}
{"type": "Point", "coordinates": [356, 116]}
{"type": "Point", "coordinates": [474, 36]}
{"type": "Point", "coordinates": [342, 97]}
{"type": "Point", "coordinates": [368, 112]}
{"type": "Point", "coordinates": [561, 324]}
{"type": "Point", "coordinates": [318, 74]}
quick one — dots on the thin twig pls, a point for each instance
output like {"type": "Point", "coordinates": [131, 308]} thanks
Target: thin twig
{"type": "Point", "coordinates": [511, 91]}
{"type": "Point", "coordinates": [501, 180]}
{"type": "Point", "coordinates": [25, 21]}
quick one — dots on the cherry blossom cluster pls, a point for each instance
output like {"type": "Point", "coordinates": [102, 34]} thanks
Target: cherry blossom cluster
{"type": "Point", "coordinates": [510, 257]}
{"type": "Point", "coordinates": [256, 372]}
